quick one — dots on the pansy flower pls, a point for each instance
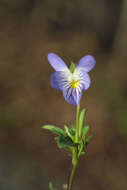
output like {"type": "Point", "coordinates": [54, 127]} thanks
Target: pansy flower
{"type": "Point", "coordinates": [71, 81]}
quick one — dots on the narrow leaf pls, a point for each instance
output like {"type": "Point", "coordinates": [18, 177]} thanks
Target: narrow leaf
{"type": "Point", "coordinates": [81, 120]}
{"type": "Point", "coordinates": [84, 141]}
{"type": "Point", "coordinates": [54, 129]}
{"type": "Point", "coordinates": [68, 132]}
{"type": "Point", "coordinates": [84, 133]}
{"type": "Point", "coordinates": [80, 148]}
{"type": "Point", "coordinates": [72, 130]}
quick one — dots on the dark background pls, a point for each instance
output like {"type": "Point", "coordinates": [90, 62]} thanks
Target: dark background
{"type": "Point", "coordinates": [29, 30]}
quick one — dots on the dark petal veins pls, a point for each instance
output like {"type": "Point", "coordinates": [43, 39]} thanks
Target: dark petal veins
{"type": "Point", "coordinates": [59, 80]}
{"type": "Point", "coordinates": [84, 80]}
{"type": "Point", "coordinates": [72, 95]}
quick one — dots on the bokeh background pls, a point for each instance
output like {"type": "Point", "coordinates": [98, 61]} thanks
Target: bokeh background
{"type": "Point", "coordinates": [29, 30]}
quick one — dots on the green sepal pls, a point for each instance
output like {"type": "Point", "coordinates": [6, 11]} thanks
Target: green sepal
{"type": "Point", "coordinates": [64, 142]}
{"type": "Point", "coordinates": [54, 129]}
{"type": "Point", "coordinates": [51, 186]}
{"type": "Point", "coordinates": [72, 67]}
{"type": "Point", "coordinates": [81, 120]}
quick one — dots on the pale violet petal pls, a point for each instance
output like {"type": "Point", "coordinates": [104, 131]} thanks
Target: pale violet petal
{"type": "Point", "coordinates": [87, 63]}
{"type": "Point", "coordinates": [59, 80]}
{"type": "Point", "coordinates": [84, 79]}
{"type": "Point", "coordinates": [56, 62]}
{"type": "Point", "coordinates": [72, 95]}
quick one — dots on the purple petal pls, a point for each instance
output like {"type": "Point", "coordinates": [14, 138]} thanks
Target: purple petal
{"type": "Point", "coordinates": [59, 80]}
{"type": "Point", "coordinates": [72, 95]}
{"type": "Point", "coordinates": [87, 63]}
{"type": "Point", "coordinates": [56, 62]}
{"type": "Point", "coordinates": [84, 79]}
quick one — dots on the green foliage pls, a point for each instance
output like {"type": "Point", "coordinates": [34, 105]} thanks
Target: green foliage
{"type": "Point", "coordinates": [72, 130]}
{"type": "Point", "coordinates": [66, 137]}
{"type": "Point", "coordinates": [54, 129]}
{"type": "Point", "coordinates": [69, 132]}
{"type": "Point", "coordinates": [72, 67]}
{"type": "Point", "coordinates": [81, 120]}
{"type": "Point", "coordinates": [84, 133]}
{"type": "Point", "coordinates": [64, 142]}
{"type": "Point", "coordinates": [51, 186]}
{"type": "Point", "coordinates": [83, 141]}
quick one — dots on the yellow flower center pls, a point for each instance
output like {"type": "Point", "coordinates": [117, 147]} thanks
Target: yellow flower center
{"type": "Point", "coordinates": [74, 84]}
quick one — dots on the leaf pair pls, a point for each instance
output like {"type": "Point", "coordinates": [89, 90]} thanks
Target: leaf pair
{"type": "Point", "coordinates": [64, 138]}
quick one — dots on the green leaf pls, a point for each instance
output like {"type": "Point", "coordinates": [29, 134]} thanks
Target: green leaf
{"type": "Point", "coordinates": [51, 186]}
{"type": "Point", "coordinates": [54, 129]}
{"type": "Point", "coordinates": [69, 133]}
{"type": "Point", "coordinates": [82, 153]}
{"type": "Point", "coordinates": [84, 133]}
{"type": "Point", "coordinates": [81, 120]}
{"type": "Point", "coordinates": [80, 148]}
{"type": "Point", "coordinates": [72, 67]}
{"type": "Point", "coordinates": [72, 130]}
{"type": "Point", "coordinates": [64, 141]}
{"type": "Point", "coordinates": [84, 141]}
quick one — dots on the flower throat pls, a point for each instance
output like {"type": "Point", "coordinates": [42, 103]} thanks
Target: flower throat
{"type": "Point", "coordinates": [74, 84]}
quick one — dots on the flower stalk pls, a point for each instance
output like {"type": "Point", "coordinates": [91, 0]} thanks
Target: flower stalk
{"type": "Point", "coordinates": [75, 163]}
{"type": "Point", "coordinates": [77, 125]}
{"type": "Point", "coordinates": [75, 151]}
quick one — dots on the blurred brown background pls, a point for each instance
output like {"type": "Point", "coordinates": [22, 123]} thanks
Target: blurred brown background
{"type": "Point", "coordinates": [29, 30]}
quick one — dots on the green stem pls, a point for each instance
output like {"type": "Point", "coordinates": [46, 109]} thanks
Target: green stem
{"type": "Point", "coordinates": [77, 125]}
{"type": "Point", "coordinates": [75, 163]}
{"type": "Point", "coordinates": [75, 150]}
